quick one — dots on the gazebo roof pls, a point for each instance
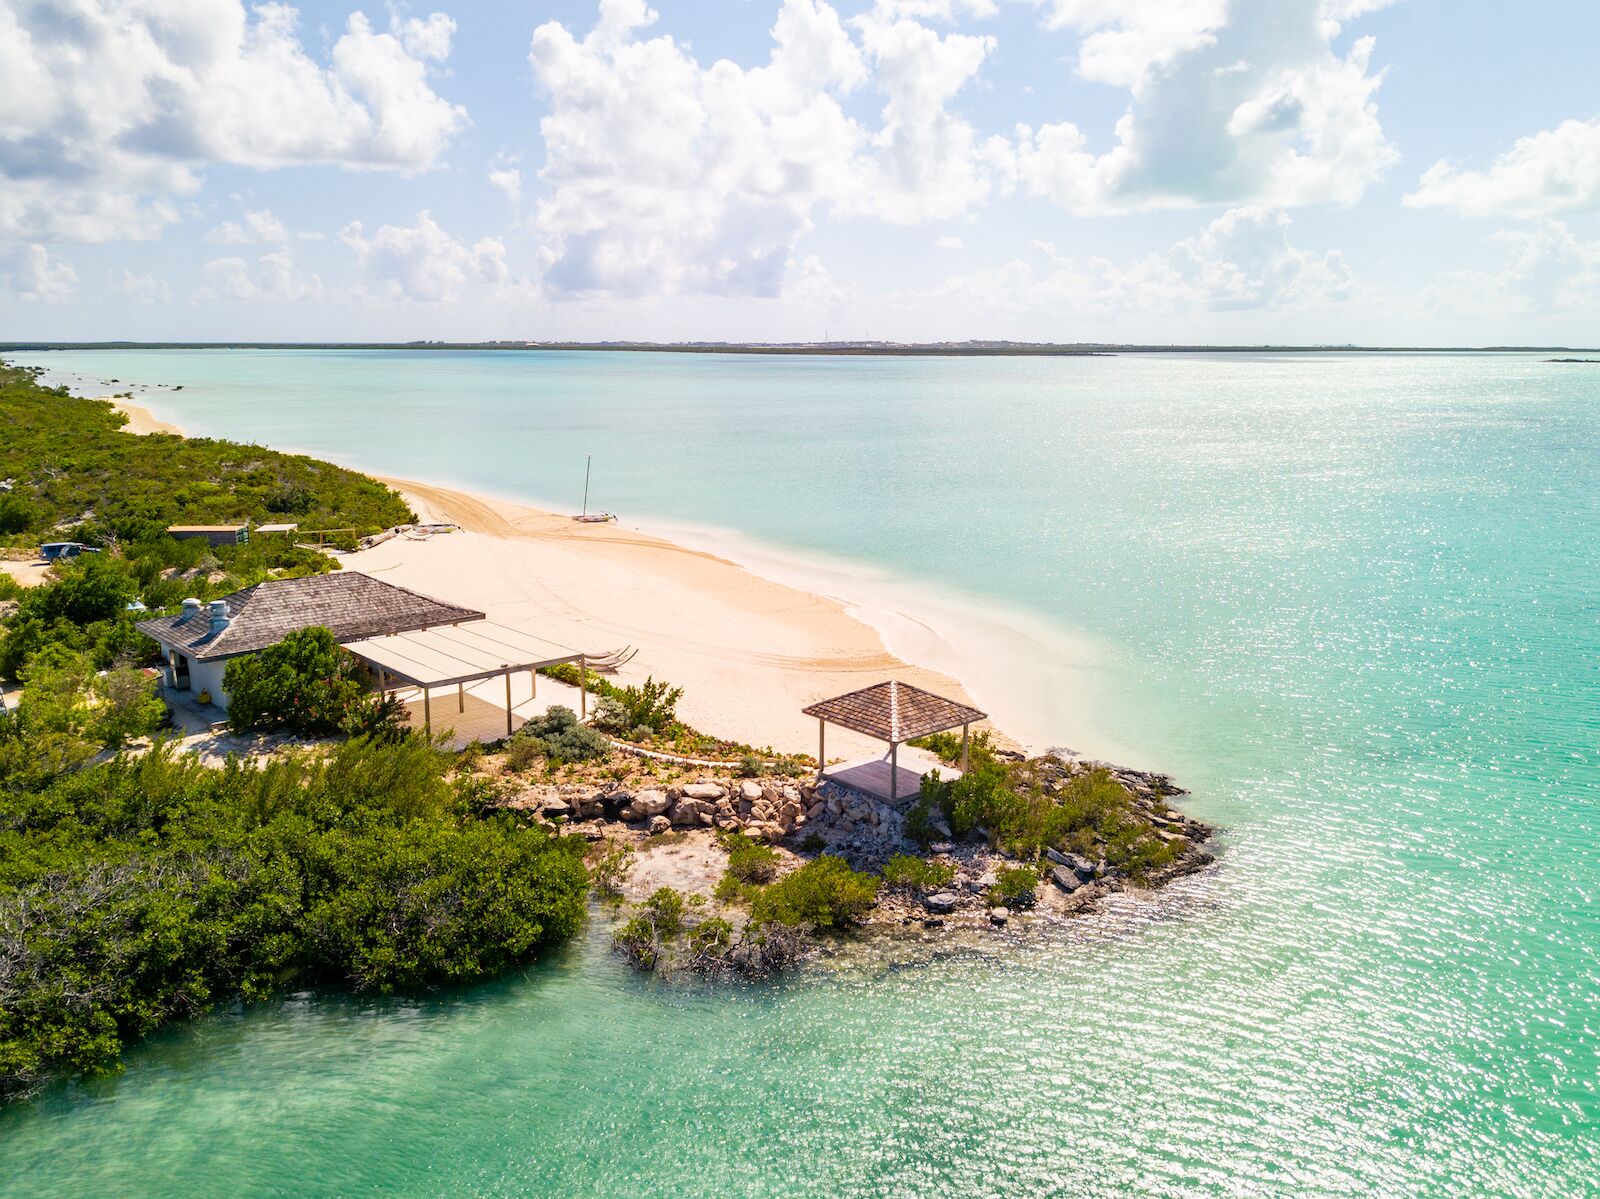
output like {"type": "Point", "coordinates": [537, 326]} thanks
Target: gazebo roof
{"type": "Point", "coordinates": [894, 711]}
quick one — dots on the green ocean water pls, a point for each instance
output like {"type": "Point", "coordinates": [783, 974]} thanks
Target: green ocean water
{"type": "Point", "coordinates": [1352, 601]}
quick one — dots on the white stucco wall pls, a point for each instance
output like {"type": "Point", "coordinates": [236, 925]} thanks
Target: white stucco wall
{"type": "Point", "coordinates": [207, 676]}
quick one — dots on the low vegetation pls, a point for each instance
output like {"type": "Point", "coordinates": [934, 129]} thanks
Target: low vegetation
{"type": "Point", "coordinates": [307, 684]}
{"type": "Point", "coordinates": [917, 874]}
{"type": "Point", "coordinates": [557, 737]}
{"type": "Point", "coordinates": [646, 716]}
{"type": "Point", "coordinates": [74, 474]}
{"type": "Point", "coordinates": [146, 889]}
{"type": "Point", "coordinates": [1089, 814]}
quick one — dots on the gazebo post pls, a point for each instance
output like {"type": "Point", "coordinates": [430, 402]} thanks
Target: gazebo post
{"type": "Point", "coordinates": [822, 746]}
{"type": "Point", "coordinates": [508, 701]}
{"type": "Point", "coordinates": [583, 687]}
{"type": "Point", "coordinates": [894, 773]}
{"type": "Point", "coordinates": [964, 748]}
{"type": "Point", "coordinates": [427, 711]}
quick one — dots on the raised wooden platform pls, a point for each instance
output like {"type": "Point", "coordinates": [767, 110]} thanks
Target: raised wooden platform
{"type": "Point", "coordinates": [873, 776]}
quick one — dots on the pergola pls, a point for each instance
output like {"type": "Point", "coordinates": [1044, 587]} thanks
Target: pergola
{"type": "Point", "coordinates": [892, 712]}
{"type": "Point", "coordinates": [455, 655]}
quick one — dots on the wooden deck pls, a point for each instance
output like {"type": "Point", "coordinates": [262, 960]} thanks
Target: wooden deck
{"type": "Point", "coordinates": [873, 776]}
{"type": "Point", "coordinates": [482, 714]}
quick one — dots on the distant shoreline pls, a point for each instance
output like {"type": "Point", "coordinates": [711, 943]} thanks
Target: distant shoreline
{"type": "Point", "coordinates": [859, 349]}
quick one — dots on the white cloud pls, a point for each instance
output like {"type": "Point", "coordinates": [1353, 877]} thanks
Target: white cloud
{"type": "Point", "coordinates": [505, 175]}
{"type": "Point", "coordinates": [1243, 260]}
{"type": "Point", "coordinates": [110, 108]}
{"type": "Point", "coordinates": [1241, 102]}
{"type": "Point", "coordinates": [1546, 269]}
{"type": "Point", "coordinates": [1557, 170]}
{"type": "Point", "coordinates": [144, 290]}
{"type": "Point", "coordinates": [32, 273]}
{"type": "Point", "coordinates": [274, 276]}
{"type": "Point", "coordinates": [929, 163]}
{"type": "Point", "coordinates": [934, 10]}
{"type": "Point", "coordinates": [257, 227]}
{"type": "Point", "coordinates": [949, 243]}
{"type": "Point", "coordinates": [669, 177]}
{"type": "Point", "coordinates": [423, 262]}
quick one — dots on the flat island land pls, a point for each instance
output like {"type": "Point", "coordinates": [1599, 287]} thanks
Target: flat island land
{"type": "Point", "coordinates": [332, 834]}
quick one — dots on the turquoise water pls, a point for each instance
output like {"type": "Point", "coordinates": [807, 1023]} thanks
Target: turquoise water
{"type": "Point", "coordinates": [1353, 601]}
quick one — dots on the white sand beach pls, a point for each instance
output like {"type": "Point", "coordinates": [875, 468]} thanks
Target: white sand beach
{"type": "Point", "coordinates": [750, 647]}
{"type": "Point", "coordinates": [748, 652]}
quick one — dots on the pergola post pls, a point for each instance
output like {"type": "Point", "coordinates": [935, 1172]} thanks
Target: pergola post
{"type": "Point", "coordinates": [822, 746]}
{"type": "Point", "coordinates": [508, 701]}
{"type": "Point", "coordinates": [583, 687]}
{"type": "Point", "coordinates": [461, 697]}
{"type": "Point", "coordinates": [894, 772]}
{"type": "Point", "coordinates": [964, 748]}
{"type": "Point", "coordinates": [533, 681]}
{"type": "Point", "coordinates": [427, 712]}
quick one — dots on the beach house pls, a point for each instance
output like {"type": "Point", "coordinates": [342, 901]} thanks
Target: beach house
{"type": "Point", "coordinates": [409, 642]}
{"type": "Point", "coordinates": [198, 642]}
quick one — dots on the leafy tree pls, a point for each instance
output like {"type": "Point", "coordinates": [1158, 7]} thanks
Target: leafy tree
{"type": "Point", "coordinates": [127, 707]}
{"type": "Point", "coordinates": [306, 683]}
{"type": "Point", "coordinates": [17, 515]}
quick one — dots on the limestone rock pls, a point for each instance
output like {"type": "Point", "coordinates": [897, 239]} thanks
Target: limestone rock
{"type": "Point", "coordinates": [651, 802]}
{"type": "Point", "coordinates": [659, 824]}
{"type": "Point", "coordinates": [750, 789]}
{"type": "Point", "coordinates": [998, 916]}
{"type": "Point", "coordinates": [941, 902]}
{"type": "Point", "coordinates": [712, 791]}
{"type": "Point", "coordinates": [1066, 878]}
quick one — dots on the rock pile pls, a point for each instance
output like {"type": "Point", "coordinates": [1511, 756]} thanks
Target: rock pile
{"type": "Point", "coordinates": [767, 809]}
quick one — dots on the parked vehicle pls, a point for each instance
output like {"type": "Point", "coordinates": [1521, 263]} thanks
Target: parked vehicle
{"type": "Point", "coordinates": [54, 551]}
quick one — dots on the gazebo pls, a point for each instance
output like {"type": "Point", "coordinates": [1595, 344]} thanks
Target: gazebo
{"type": "Point", "coordinates": [894, 712]}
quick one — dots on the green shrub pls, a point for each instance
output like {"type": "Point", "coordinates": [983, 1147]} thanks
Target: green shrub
{"type": "Point", "coordinates": [914, 873]}
{"type": "Point", "coordinates": [1017, 888]}
{"type": "Point", "coordinates": [750, 766]}
{"type": "Point", "coordinates": [947, 747]}
{"type": "Point", "coordinates": [711, 936]}
{"type": "Point", "coordinates": [306, 684]}
{"type": "Point", "coordinates": [750, 861]}
{"type": "Point", "coordinates": [559, 736]}
{"type": "Point", "coordinates": [651, 704]}
{"type": "Point", "coordinates": [824, 893]}
{"type": "Point", "coordinates": [155, 888]}
{"type": "Point", "coordinates": [665, 909]}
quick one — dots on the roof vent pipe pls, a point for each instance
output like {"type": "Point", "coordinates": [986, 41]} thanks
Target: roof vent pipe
{"type": "Point", "coordinates": [219, 615]}
{"type": "Point", "coordinates": [191, 607]}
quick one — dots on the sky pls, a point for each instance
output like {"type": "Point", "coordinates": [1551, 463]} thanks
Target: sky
{"type": "Point", "coordinates": [1378, 172]}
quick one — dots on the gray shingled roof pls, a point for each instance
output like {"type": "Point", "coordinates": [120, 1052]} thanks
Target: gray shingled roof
{"type": "Point", "coordinates": [894, 711]}
{"type": "Point", "coordinates": [352, 605]}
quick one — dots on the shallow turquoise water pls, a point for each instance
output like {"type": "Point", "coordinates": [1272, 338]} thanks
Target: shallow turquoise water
{"type": "Point", "coordinates": [1353, 601]}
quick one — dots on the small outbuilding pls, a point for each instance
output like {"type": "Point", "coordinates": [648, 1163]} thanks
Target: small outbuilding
{"type": "Point", "coordinates": [215, 534]}
{"type": "Point", "coordinates": [895, 712]}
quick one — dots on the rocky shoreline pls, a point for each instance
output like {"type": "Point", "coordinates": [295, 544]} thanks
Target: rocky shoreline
{"type": "Point", "coordinates": [672, 833]}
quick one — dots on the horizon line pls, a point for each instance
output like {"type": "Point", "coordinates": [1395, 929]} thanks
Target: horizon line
{"type": "Point", "coordinates": [970, 348]}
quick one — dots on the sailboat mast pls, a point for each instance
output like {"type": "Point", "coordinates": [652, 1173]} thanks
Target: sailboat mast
{"type": "Point", "coordinates": [588, 461]}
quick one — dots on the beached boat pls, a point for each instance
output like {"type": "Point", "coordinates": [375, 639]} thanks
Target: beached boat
{"type": "Point", "coordinates": [586, 517]}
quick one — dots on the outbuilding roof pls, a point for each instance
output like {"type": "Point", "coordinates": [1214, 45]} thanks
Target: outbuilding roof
{"type": "Point", "coordinates": [352, 605]}
{"type": "Point", "coordinates": [894, 711]}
